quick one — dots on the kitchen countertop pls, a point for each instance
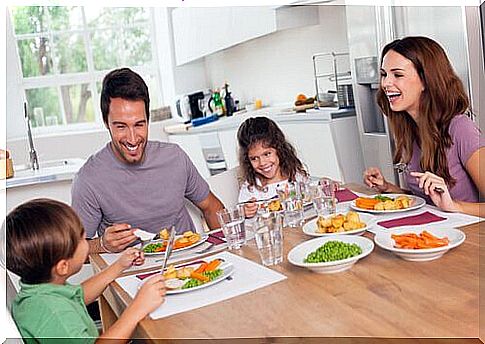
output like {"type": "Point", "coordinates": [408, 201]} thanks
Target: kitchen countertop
{"type": "Point", "coordinates": [49, 171]}
{"type": "Point", "coordinates": [277, 113]}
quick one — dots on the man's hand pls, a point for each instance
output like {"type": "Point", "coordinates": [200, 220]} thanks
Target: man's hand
{"type": "Point", "coordinates": [118, 236]}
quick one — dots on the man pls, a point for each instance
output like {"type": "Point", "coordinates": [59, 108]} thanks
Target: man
{"type": "Point", "coordinates": [132, 182]}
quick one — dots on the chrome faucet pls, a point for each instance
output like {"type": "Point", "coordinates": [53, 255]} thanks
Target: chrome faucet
{"type": "Point", "coordinates": [34, 161]}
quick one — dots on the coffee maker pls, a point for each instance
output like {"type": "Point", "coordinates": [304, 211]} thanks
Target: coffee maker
{"type": "Point", "coordinates": [194, 99]}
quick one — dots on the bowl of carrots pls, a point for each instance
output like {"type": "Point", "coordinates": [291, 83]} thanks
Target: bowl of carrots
{"type": "Point", "coordinates": [420, 244]}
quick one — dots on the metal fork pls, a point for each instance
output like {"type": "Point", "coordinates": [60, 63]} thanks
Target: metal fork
{"type": "Point", "coordinates": [402, 167]}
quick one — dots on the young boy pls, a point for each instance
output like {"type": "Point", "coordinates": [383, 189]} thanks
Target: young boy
{"type": "Point", "coordinates": [47, 245]}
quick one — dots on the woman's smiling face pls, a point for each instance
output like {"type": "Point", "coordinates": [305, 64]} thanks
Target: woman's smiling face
{"type": "Point", "coordinates": [401, 83]}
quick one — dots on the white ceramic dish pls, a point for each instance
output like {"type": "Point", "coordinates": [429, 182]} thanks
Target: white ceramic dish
{"type": "Point", "coordinates": [417, 202]}
{"type": "Point", "coordinates": [298, 253]}
{"type": "Point", "coordinates": [455, 237]}
{"type": "Point", "coordinates": [203, 239]}
{"type": "Point", "coordinates": [310, 228]}
{"type": "Point", "coordinates": [228, 270]}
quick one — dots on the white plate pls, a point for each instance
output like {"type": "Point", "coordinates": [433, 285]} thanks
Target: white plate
{"type": "Point", "coordinates": [310, 228]}
{"type": "Point", "coordinates": [301, 251]}
{"type": "Point", "coordinates": [418, 202]}
{"type": "Point", "coordinates": [228, 270]}
{"type": "Point", "coordinates": [455, 237]}
{"type": "Point", "coordinates": [203, 239]}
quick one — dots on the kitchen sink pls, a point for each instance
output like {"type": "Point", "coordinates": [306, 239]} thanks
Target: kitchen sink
{"type": "Point", "coordinates": [49, 171]}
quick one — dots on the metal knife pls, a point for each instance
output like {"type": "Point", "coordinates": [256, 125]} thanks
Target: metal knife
{"type": "Point", "coordinates": [168, 250]}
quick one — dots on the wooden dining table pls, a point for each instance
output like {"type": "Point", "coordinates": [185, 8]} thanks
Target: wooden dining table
{"type": "Point", "coordinates": [382, 297]}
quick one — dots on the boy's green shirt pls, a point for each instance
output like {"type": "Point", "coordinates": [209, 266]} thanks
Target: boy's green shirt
{"type": "Point", "coordinates": [53, 311]}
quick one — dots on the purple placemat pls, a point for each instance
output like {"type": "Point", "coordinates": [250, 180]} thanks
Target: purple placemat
{"type": "Point", "coordinates": [345, 195]}
{"type": "Point", "coordinates": [415, 220]}
{"type": "Point", "coordinates": [216, 238]}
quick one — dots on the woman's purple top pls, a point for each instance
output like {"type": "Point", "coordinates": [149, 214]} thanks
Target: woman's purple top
{"type": "Point", "coordinates": [467, 139]}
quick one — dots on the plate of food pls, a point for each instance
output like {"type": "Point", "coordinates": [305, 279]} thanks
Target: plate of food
{"type": "Point", "coordinates": [420, 244]}
{"type": "Point", "coordinates": [387, 203]}
{"type": "Point", "coordinates": [182, 242]}
{"type": "Point", "coordinates": [349, 223]}
{"type": "Point", "coordinates": [330, 254]}
{"type": "Point", "coordinates": [196, 275]}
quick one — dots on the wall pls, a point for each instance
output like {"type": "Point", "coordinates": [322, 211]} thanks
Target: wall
{"type": "Point", "coordinates": [278, 66]}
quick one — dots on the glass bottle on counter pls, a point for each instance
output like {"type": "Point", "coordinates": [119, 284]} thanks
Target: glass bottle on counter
{"type": "Point", "coordinates": [229, 101]}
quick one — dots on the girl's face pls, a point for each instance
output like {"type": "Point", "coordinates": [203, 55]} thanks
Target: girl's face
{"type": "Point", "coordinates": [265, 161]}
{"type": "Point", "coordinates": [80, 255]}
{"type": "Point", "coordinates": [401, 83]}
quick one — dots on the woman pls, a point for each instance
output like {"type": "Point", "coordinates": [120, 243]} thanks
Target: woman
{"type": "Point", "coordinates": [426, 105]}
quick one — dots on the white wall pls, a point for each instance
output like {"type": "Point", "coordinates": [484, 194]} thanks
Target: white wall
{"type": "Point", "coordinates": [276, 67]}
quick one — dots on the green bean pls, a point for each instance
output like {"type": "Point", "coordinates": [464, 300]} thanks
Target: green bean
{"type": "Point", "coordinates": [332, 251]}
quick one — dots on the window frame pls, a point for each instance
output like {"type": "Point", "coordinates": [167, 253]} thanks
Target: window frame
{"type": "Point", "coordinates": [90, 76]}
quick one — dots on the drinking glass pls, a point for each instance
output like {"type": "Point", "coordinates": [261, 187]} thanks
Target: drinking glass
{"type": "Point", "coordinates": [290, 196]}
{"type": "Point", "coordinates": [269, 238]}
{"type": "Point", "coordinates": [324, 205]}
{"type": "Point", "coordinates": [232, 223]}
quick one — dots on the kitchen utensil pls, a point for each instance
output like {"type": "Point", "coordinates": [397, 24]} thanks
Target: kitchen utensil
{"type": "Point", "coordinates": [345, 96]}
{"type": "Point", "coordinates": [205, 249]}
{"type": "Point", "coordinates": [168, 251]}
{"type": "Point", "coordinates": [402, 167]}
{"type": "Point", "coordinates": [260, 200]}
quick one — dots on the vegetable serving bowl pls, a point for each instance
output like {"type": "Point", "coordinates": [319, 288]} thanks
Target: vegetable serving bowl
{"type": "Point", "coordinates": [298, 253]}
{"type": "Point", "coordinates": [385, 241]}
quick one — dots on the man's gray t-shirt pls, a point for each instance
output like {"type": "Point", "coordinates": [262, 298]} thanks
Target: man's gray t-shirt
{"type": "Point", "coordinates": [150, 195]}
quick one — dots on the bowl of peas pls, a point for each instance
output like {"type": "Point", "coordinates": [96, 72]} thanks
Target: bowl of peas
{"type": "Point", "coordinates": [330, 254]}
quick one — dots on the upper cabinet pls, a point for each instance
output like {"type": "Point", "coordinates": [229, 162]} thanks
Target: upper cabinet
{"type": "Point", "coordinates": [199, 32]}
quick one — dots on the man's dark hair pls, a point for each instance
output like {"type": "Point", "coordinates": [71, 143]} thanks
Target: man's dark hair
{"type": "Point", "coordinates": [40, 233]}
{"type": "Point", "coordinates": [123, 83]}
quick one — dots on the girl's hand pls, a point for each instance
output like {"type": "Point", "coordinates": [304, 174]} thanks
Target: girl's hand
{"type": "Point", "coordinates": [149, 297]}
{"type": "Point", "coordinates": [429, 182]}
{"type": "Point", "coordinates": [374, 179]}
{"type": "Point", "coordinates": [129, 257]}
{"type": "Point", "coordinates": [250, 209]}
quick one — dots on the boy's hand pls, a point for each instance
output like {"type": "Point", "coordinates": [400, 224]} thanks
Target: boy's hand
{"type": "Point", "coordinates": [149, 297]}
{"type": "Point", "coordinates": [250, 209]}
{"type": "Point", "coordinates": [130, 257]}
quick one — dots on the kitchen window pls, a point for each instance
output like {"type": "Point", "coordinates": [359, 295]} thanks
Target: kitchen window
{"type": "Point", "coordinates": [65, 51]}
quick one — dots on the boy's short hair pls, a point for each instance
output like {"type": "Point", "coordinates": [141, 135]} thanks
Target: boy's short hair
{"type": "Point", "coordinates": [40, 233]}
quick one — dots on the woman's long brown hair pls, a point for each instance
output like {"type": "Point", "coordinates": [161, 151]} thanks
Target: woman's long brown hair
{"type": "Point", "coordinates": [264, 130]}
{"type": "Point", "coordinates": [443, 98]}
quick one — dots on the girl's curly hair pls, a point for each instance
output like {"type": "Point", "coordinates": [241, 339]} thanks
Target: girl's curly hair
{"type": "Point", "coordinates": [265, 131]}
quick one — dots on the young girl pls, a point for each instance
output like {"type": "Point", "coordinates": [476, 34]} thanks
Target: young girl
{"type": "Point", "coordinates": [266, 159]}
{"type": "Point", "coordinates": [426, 105]}
{"type": "Point", "coordinates": [47, 245]}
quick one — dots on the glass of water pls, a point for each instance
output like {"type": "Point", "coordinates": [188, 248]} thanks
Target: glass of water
{"type": "Point", "coordinates": [232, 223]}
{"type": "Point", "coordinates": [325, 205]}
{"type": "Point", "coordinates": [290, 195]}
{"type": "Point", "coordinates": [269, 238]}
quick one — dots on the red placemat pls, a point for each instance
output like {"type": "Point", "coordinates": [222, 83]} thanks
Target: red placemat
{"type": "Point", "coordinates": [415, 220]}
{"type": "Point", "coordinates": [345, 195]}
{"type": "Point", "coordinates": [216, 238]}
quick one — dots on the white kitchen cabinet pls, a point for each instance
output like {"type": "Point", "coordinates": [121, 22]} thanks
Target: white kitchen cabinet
{"type": "Point", "coordinates": [198, 32]}
{"type": "Point", "coordinates": [192, 146]}
{"type": "Point", "coordinates": [315, 147]}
